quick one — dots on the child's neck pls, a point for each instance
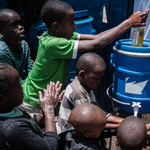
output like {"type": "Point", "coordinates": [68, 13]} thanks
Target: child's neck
{"type": "Point", "coordinates": [77, 134]}
{"type": "Point", "coordinates": [5, 110]}
{"type": "Point", "coordinates": [53, 33]}
{"type": "Point", "coordinates": [14, 46]}
{"type": "Point", "coordinates": [83, 84]}
{"type": "Point", "coordinates": [8, 113]}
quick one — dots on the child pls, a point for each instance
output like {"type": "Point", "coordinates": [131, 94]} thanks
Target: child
{"type": "Point", "coordinates": [90, 67]}
{"type": "Point", "coordinates": [18, 131]}
{"type": "Point", "coordinates": [13, 49]}
{"type": "Point", "coordinates": [88, 121]}
{"type": "Point", "coordinates": [61, 44]}
{"type": "Point", "coordinates": [132, 134]}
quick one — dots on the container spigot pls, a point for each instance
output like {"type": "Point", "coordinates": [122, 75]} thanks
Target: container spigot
{"type": "Point", "coordinates": [136, 106]}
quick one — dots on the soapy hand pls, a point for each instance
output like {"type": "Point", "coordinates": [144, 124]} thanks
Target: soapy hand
{"type": "Point", "coordinates": [50, 96]}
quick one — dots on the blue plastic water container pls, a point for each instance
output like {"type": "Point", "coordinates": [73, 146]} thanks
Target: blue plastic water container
{"type": "Point", "coordinates": [131, 76]}
{"type": "Point", "coordinates": [84, 22]}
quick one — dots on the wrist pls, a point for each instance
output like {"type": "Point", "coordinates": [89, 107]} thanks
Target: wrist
{"type": "Point", "coordinates": [49, 113]}
{"type": "Point", "coordinates": [128, 23]}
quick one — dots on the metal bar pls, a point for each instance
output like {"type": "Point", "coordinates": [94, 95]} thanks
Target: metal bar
{"type": "Point", "coordinates": [131, 54]}
{"type": "Point", "coordinates": [107, 92]}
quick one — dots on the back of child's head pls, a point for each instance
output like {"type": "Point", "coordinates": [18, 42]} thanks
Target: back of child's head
{"type": "Point", "coordinates": [88, 120]}
{"type": "Point", "coordinates": [132, 134]}
{"type": "Point", "coordinates": [88, 61]}
{"type": "Point", "coordinates": [54, 11]}
{"type": "Point", "coordinates": [5, 76]}
{"type": "Point", "coordinates": [3, 13]}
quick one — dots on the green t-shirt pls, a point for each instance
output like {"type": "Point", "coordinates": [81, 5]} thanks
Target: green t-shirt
{"type": "Point", "coordinates": [52, 64]}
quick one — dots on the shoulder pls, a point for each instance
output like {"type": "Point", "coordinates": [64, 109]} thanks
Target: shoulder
{"type": "Point", "coordinates": [75, 36]}
{"type": "Point", "coordinates": [11, 126]}
{"type": "Point", "coordinates": [52, 41]}
{"type": "Point", "coordinates": [16, 122]}
{"type": "Point", "coordinates": [77, 143]}
{"type": "Point", "coordinates": [2, 41]}
{"type": "Point", "coordinates": [17, 126]}
{"type": "Point", "coordinates": [24, 44]}
{"type": "Point", "coordinates": [75, 91]}
{"type": "Point", "coordinates": [3, 45]}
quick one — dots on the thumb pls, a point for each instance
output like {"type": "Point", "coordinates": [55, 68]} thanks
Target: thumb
{"type": "Point", "coordinates": [40, 95]}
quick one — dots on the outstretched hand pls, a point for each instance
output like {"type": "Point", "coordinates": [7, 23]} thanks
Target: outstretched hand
{"type": "Point", "coordinates": [138, 18]}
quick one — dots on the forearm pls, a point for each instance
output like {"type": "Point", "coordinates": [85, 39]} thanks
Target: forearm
{"type": "Point", "coordinates": [110, 126]}
{"type": "Point", "coordinates": [48, 101]}
{"type": "Point", "coordinates": [148, 126]}
{"type": "Point", "coordinates": [103, 39]}
{"type": "Point", "coordinates": [92, 37]}
{"type": "Point", "coordinates": [114, 119]}
{"type": "Point", "coordinates": [148, 133]}
{"type": "Point", "coordinates": [50, 121]}
{"type": "Point", "coordinates": [109, 36]}
{"type": "Point", "coordinates": [28, 130]}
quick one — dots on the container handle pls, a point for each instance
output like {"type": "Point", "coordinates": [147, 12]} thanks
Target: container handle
{"type": "Point", "coordinates": [111, 60]}
{"type": "Point", "coordinates": [107, 92]}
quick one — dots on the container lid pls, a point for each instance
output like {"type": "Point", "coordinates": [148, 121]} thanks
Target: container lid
{"type": "Point", "coordinates": [84, 21]}
{"type": "Point", "coordinates": [125, 45]}
{"type": "Point", "coordinates": [82, 13]}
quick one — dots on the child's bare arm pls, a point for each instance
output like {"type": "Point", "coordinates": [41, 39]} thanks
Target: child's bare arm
{"type": "Point", "coordinates": [97, 42]}
{"type": "Point", "coordinates": [148, 126]}
{"type": "Point", "coordinates": [111, 126]}
{"type": "Point", "coordinates": [48, 101]}
{"type": "Point", "coordinates": [114, 119]}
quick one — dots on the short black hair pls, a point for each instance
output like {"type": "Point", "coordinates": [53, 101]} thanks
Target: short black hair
{"type": "Point", "coordinates": [4, 12]}
{"type": "Point", "coordinates": [54, 11]}
{"type": "Point", "coordinates": [88, 61]}
{"type": "Point", "coordinates": [5, 76]}
{"type": "Point", "coordinates": [132, 133]}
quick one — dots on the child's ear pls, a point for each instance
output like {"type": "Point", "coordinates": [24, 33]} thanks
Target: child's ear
{"type": "Point", "coordinates": [81, 73]}
{"type": "Point", "coordinates": [87, 134]}
{"type": "Point", "coordinates": [55, 26]}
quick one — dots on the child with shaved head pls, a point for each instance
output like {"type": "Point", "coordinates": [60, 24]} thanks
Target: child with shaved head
{"type": "Point", "coordinates": [88, 120]}
{"type": "Point", "coordinates": [132, 134]}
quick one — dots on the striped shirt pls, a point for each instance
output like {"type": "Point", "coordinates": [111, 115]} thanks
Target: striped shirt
{"type": "Point", "coordinates": [21, 62]}
{"type": "Point", "coordinates": [75, 94]}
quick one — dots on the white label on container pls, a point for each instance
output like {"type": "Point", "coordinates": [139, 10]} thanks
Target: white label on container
{"type": "Point", "coordinates": [135, 35]}
{"type": "Point", "coordinates": [134, 88]}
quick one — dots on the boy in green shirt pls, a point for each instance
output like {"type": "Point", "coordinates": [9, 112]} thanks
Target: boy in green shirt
{"type": "Point", "coordinates": [61, 44]}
